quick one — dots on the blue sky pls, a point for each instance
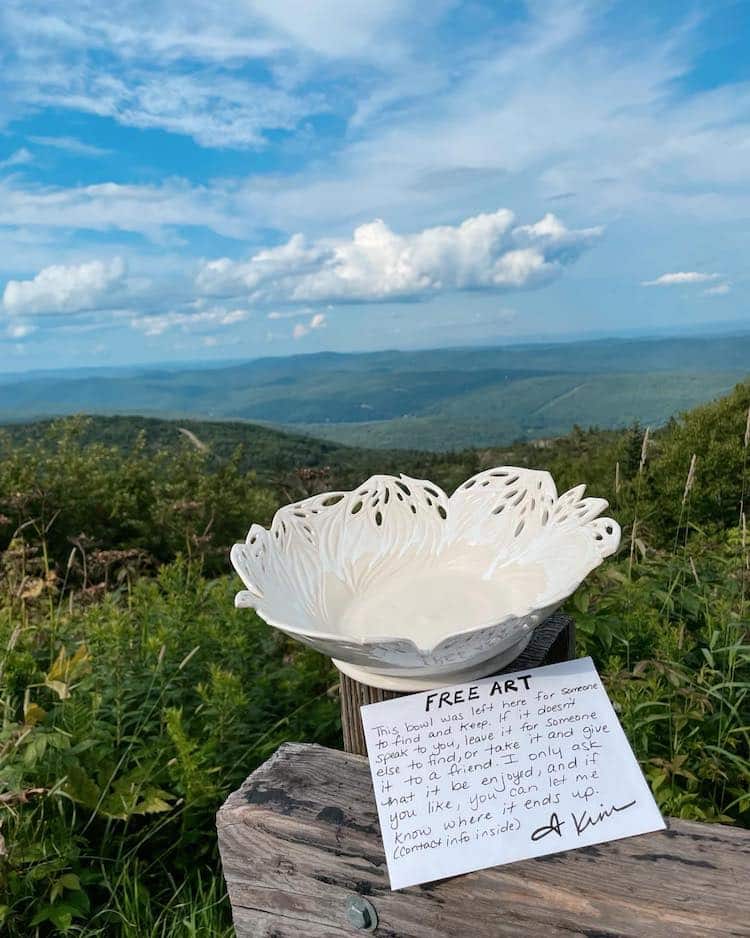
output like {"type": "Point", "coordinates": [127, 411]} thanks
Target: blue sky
{"type": "Point", "coordinates": [191, 179]}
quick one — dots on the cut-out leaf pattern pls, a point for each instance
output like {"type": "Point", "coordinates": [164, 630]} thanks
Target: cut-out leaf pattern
{"type": "Point", "coordinates": [504, 537]}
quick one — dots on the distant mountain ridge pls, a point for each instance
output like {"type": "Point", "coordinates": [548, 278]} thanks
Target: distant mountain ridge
{"type": "Point", "coordinates": [430, 399]}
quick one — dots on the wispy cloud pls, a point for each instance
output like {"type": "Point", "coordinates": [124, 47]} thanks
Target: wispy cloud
{"type": "Point", "coordinates": [19, 329]}
{"type": "Point", "coordinates": [288, 313]}
{"type": "Point", "coordinates": [565, 107]}
{"type": "Point", "coordinates": [148, 209]}
{"type": "Point", "coordinates": [191, 320]}
{"type": "Point", "coordinates": [679, 278]}
{"type": "Point", "coordinates": [183, 75]}
{"type": "Point", "coordinates": [215, 110]}
{"type": "Point", "coordinates": [691, 278]}
{"type": "Point", "coordinates": [721, 289]}
{"type": "Point", "coordinates": [70, 145]}
{"type": "Point", "coordinates": [17, 158]}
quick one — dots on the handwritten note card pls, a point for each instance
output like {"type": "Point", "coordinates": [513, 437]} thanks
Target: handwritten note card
{"type": "Point", "coordinates": [502, 769]}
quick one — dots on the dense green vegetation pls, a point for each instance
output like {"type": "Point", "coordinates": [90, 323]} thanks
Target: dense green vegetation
{"type": "Point", "coordinates": [275, 457]}
{"type": "Point", "coordinates": [134, 697]}
{"type": "Point", "coordinates": [431, 399]}
{"type": "Point", "coordinates": [534, 407]}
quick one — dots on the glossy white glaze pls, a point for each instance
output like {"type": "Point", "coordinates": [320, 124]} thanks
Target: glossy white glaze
{"type": "Point", "coordinates": [397, 578]}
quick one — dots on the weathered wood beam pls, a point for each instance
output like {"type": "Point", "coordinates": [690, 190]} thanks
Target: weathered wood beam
{"type": "Point", "coordinates": [301, 837]}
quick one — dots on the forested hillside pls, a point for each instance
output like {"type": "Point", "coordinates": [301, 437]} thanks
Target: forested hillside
{"type": "Point", "coordinates": [434, 399]}
{"type": "Point", "coordinates": [135, 697]}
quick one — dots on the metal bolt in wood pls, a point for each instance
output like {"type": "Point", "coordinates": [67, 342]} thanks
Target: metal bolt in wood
{"type": "Point", "coordinates": [361, 913]}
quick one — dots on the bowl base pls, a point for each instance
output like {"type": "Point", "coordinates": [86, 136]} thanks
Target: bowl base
{"type": "Point", "coordinates": [417, 682]}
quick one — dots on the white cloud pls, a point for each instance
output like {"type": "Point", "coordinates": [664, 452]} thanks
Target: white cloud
{"type": "Point", "coordinates": [288, 314]}
{"type": "Point", "coordinates": [230, 317]}
{"type": "Point", "coordinates": [556, 102]}
{"type": "Point", "coordinates": [554, 96]}
{"type": "Point", "coordinates": [721, 289]}
{"type": "Point", "coordinates": [215, 110]}
{"type": "Point", "coordinates": [318, 321]}
{"type": "Point", "coordinates": [159, 323]}
{"type": "Point", "coordinates": [680, 277]}
{"type": "Point", "coordinates": [19, 329]}
{"type": "Point", "coordinates": [172, 66]}
{"type": "Point", "coordinates": [204, 30]}
{"type": "Point", "coordinates": [70, 145]}
{"type": "Point", "coordinates": [561, 105]}
{"type": "Point", "coordinates": [340, 29]}
{"type": "Point", "coordinates": [61, 289]}
{"type": "Point", "coordinates": [557, 107]}
{"type": "Point", "coordinates": [483, 252]}
{"type": "Point", "coordinates": [18, 158]}
{"type": "Point", "coordinates": [146, 209]}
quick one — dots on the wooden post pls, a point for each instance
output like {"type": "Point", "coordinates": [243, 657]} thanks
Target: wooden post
{"type": "Point", "coordinates": [302, 856]}
{"type": "Point", "coordinates": [554, 640]}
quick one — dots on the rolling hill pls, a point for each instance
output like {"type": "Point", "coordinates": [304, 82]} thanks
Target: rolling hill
{"type": "Point", "coordinates": [435, 399]}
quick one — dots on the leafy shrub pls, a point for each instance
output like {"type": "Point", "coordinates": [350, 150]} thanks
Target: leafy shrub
{"type": "Point", "coordinates": [86, 501]}
{"type": "Point", "coordinates": [126, 723]}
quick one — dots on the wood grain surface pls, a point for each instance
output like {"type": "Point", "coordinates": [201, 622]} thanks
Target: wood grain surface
{"type": "Point", "coordinates": [301, 836]}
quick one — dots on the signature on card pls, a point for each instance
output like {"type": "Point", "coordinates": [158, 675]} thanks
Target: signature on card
{"type": "Point", "coordinates": [581, 822]}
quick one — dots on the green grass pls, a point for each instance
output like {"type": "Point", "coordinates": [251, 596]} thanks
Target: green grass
{"type": "Point", "coordinates": [127, 720]}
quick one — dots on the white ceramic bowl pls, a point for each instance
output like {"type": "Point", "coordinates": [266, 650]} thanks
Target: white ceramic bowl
{"type": "Point", "coordinates": [407, 588]}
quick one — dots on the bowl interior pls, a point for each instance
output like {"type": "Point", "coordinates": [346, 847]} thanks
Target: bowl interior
{"type": "Point", "coordinates": [429, 603]}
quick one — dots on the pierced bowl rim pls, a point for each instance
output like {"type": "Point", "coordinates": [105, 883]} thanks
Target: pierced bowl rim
{"type": "Point", "coordinates": [246, 598]}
